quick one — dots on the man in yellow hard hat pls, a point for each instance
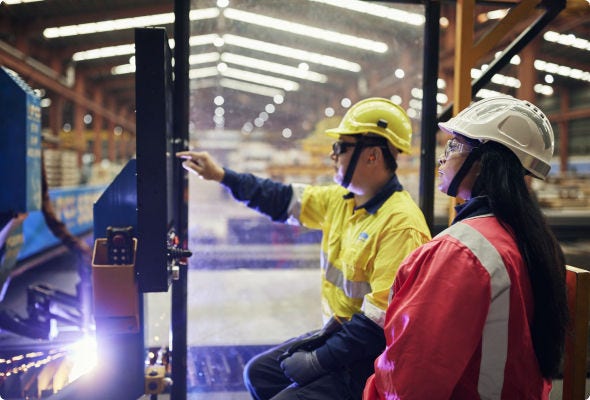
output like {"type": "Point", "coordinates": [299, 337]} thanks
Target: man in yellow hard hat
{"type": "Point", "coordinates": [369, 224]}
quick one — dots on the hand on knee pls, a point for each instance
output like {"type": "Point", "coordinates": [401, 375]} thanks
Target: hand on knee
{"type": "Point", "coordinates": [302, 367]}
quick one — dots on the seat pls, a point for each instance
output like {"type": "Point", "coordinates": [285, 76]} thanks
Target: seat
{"type": "Point", "coordinates": [576, 343]}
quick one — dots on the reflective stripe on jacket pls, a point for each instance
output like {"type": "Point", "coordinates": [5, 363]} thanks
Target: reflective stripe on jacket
{"type": "Point", "coordinates": [458, 323]}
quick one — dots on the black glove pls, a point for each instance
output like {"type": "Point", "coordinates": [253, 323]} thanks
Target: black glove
{"type": "Point", "coordinates": [315, 340]}
{"type": "Point", "coordinates": [302, 367]}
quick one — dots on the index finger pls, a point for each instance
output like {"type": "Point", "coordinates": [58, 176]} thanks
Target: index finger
{"type": "Point", "coordinates": [184, 154]}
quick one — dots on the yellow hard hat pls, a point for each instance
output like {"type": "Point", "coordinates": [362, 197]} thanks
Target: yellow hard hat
{"type": "Point", "coordinates": [378, 116]}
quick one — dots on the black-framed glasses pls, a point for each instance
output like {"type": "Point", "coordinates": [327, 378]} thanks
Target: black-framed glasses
{"type": "Point", "coordinates": [340, 147]}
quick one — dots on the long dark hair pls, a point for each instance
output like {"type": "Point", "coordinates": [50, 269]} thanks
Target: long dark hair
{"type": "Point", "coordinates": [502, 180]}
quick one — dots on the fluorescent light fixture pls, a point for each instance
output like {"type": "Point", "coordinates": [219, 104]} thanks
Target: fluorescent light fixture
{"type": "Point", "coordinates": [376, 10]}
{"type": "Point", "coordinates": [543, 89]}
{"type": "Point", "coordinates": [510, 81]}
{"type": "Point", "coordinates": [248, 76]}
{"type": "Point", "coordinates": [202, 40]}
{"type": "Point", "coordinates": [567, 40]}
{"type": "Point", "coordinates": [552, 68]}
{"type": "Point", "coordinates": [276, 68]}
{"type": "Point", "coordinates": [281, 83]}
{"type": "Point", "coordinates": [485, 93]}
{"type": "Point", "coordinates": [125, 23]}
{"type": "Point", "coordinates": [123, 69]}
{"type": "Point", "coordinates": [562, 70]}
{"type": "Point", "coordinates": [12, 2]}
{"type": "Point", "coordinates": [203, 13]}
{"type": "Point", "coordinates": [250, 88]}
{"type": "Point", "coordinates": [498, 79]}
{"type": "Point", "coordinates": [305, 30]}
{"type": "Point", "coordinates": [291, 52]}
{"type": "Point", "coordinates": [252, 44]}
{"type": "Point", "coordinates": [203, 58]}
{"type": "Point", "coordinates": [108, 26]}
{"type": "Point", "coordinates": [497, 14]}
{"type": "Point", "coordinates": [104, 52]}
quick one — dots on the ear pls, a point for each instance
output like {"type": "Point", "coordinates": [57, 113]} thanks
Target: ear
{"type": "Point", "coordinates": [373, 155]}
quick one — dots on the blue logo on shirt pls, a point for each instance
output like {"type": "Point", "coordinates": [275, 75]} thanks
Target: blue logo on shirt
{"type": "Point", "coordinates": [363, 236]}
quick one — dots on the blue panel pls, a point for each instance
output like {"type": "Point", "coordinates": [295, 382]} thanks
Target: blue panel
{"type": "Point", "coordinates": [118, 204]}
{"type": "Point", "coordinates": [20, 145]}
{"type": "Point", "coordinates": [72, 205]}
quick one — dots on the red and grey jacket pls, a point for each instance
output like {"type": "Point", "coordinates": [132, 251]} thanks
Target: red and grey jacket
{"type": "Point", "coordinates": [458, 324]}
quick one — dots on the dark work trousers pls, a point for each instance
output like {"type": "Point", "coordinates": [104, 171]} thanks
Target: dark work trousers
{"type": "Point", "coordinates": [265, 379]}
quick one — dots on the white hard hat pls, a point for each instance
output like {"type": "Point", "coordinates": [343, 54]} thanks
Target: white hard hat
{"type": "Point", "coordinates": [517, 124]}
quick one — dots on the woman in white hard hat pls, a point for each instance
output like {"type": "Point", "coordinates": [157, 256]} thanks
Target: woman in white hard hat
{"type": "Point", "coordinates": [481, 310]}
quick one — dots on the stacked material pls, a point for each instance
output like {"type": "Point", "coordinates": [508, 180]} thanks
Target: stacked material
{"type": "Point", "coordinates": [61, 167]}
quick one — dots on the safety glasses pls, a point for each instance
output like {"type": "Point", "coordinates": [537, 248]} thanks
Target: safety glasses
{"type": "Point", "coordinates": [340, 147]}
{"type": "Point", "coordinates": [456, 147]}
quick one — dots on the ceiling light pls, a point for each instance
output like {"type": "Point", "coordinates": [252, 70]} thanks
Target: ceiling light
{"type": "Point", "coordinates": [552, 68]}
{"type": "Point", "coordinates": [126, 23]}
{"type": "Point", "coordinates": [376, 10]}
{"type": "Point", "coordinates": [305, 30]}
{"type": "Point", "coordinates": [562, 70]}
{"type": "Point", "coordinates": [442, 98]}
{"type": "Point", "coordinates": [286, 133]}
{"type": "Point", "coordinates": [273, 67]}
{"type": "Point", "coordinates": [103, 52]}
{"type": "Point", "coordinates": [497, 14]}
{"type": "Point", "coordinates": [108, 26]}
{"type": "Point", "coordinates": [202, 40]}
{"type": "Point", "coordinates": [203, 58]}
{"type": "Point", "coordinates": [485, 93]}
{"type": "Point", "coordinates": [123, 69]}
{"type": "Point", "coordinates": [291, 52]}
{"type": "Point", "coordinates": [203, 13]}
{"type": "Point", "coordinates": [567, 40]}
{"type": "Point", "coordinates": [498, 79]}
{"type": "Point", "coordinates": [284, 84]}
{"type": "Point", "coordinates": [12, 2]}
{"type": "Point", "coordinates": [396, 99]}
{"type": "Point", "coordinates": [543, 89]}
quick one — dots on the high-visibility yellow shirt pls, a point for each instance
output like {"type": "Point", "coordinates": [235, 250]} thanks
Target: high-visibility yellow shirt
{"type": "Point", "coordinates": [361, 248]}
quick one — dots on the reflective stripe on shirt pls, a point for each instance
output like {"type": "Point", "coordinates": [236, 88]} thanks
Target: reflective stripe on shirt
{"type": "Point", "coordinates": [354, 290]}
{"type": "Point", "coordinates": [294, 209]}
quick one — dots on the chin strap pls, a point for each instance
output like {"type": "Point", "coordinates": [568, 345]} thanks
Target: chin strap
{"type": "Point", "coordinates": [358, 147]}
{"type": "Point", "coordinates": [460, 175]}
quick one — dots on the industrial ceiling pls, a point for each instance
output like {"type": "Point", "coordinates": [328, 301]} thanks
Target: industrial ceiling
{"type": "Point", "coordinates": [50, 64]}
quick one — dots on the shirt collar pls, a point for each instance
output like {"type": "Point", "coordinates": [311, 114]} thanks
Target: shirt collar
{"type": "Point", "coordinates": [392, 186]}
{"type": "Point", "coordinates": [479, 205]}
